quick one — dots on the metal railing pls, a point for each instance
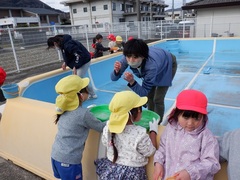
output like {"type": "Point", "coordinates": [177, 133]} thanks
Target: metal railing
{"type": "Point", "coordinates": [25, 48]}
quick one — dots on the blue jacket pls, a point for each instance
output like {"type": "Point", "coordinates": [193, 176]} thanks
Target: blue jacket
{"type": "Point", "coordinates": [156, 70]}
{"type": "Point", "coordinates": [74, 53]}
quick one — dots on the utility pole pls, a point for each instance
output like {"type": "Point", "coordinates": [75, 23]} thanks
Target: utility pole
{"type": "Point", "coordinates": [138, 18]}
{"type": "Point", "coordinates": [172, 9]}
{"type": "Point", "coordinates": [138, 10]}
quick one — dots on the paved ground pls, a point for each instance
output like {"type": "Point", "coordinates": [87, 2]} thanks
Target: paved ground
{"type": "Point", "coordinates": [8, 170]}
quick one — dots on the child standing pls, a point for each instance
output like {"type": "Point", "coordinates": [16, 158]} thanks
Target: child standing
{"type": "Point", "coordinates": [99, 49]}
{"type": "Point", "coordinates": [74, 123]}
{"type": "Point", "coordinates": [2, 79]}
{"type": "Point", "coordinates": [112, 42]}
{"type": "Point", "coordinates": [128, 145]}
{"type": "Point", "coordinates": [229, 151]}
{"type": "Point", "coordinates": [188, 150]}
{"type": "Point", "coordinates": [119, 43]}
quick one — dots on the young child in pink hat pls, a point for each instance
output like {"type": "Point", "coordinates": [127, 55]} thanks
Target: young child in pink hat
{"type": "Point", "coordinates": [187, 150]}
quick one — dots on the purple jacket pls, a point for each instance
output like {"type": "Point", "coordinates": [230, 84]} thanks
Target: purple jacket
{"type": "Point", "coordinates": [196, 151]}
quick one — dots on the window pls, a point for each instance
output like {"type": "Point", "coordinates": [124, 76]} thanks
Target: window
{"type": "Point", "coordinates": [74, 11]}
{"type": "Point", "coordinates": [85, 9]}
{"type": "Point", "coordinates": [105, 7]}
{"type": "Point", "coordinates": [93, 8]}
{"type": "Point", "coordinates": [121, 20]}
{"type": "Point", "coordinates": [114, 6]}
{"type": "Point", "coordinates": [122, 8]}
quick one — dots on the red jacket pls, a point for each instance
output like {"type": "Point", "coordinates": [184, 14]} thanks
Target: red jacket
{"type": "Point", "coordinates": [2, 76]}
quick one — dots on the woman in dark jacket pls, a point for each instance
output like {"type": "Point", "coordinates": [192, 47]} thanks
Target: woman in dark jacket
{"type": "Point", "coordinates": [75, 56]}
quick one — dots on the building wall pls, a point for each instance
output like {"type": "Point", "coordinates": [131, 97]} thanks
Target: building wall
{"type": "Point", "coordinates": [210, 20]}
{"type": "Point", "coordinates": [16, 13]}
{"type": "Point", "coordinates": [4, 13]}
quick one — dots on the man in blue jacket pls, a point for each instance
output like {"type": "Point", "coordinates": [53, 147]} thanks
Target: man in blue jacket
{"type": "Point", "coordinates": [156, 67]}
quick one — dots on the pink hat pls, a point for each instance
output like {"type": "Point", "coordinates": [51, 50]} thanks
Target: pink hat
{"type": "Point", "coordinates": [192, 100]}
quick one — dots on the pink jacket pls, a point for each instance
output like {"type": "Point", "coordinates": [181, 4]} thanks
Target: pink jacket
{"type": "Point", "coordinates": [196, 151]}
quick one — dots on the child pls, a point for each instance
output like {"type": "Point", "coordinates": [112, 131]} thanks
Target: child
{"type": "Point", "coordinates": [128, 145]}
{"type": "Point", "coordinates": [229, 150]}
{"type": "Point", "coordinates": [119, 43]}
{"type": "Point", "coordinates": [2, 79]}
{"type": "Point", "coordinates": [73, 123]}
{"type": "Point", "coordinates": [99, 47]}
{"type": "Point", "coordinates": [94, 47]}
{"type": "Point", "coordinates": [188, 150]}
{"type": "Point", "coordinates": [112, 42]}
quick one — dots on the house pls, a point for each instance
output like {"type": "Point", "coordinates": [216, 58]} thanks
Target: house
{"type": "Point", "coordinates": [216, 17]}
{"type": "Point", "coordinates": [25, 13]}
{"type": "Point", "coordinates": [101, 14]}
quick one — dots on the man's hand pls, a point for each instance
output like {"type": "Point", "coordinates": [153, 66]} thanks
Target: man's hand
{"type": "Point", "coordinates": [129, 77]}
{"type": "Point", "coordinates": [117, 67]}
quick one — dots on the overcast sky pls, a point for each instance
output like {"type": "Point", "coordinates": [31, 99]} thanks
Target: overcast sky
{"type": "Point", "coordinates": [56, 4]}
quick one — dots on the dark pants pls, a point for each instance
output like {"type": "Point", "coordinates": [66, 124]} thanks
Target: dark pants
{"type": "Point", "coordinates": [157, 94]}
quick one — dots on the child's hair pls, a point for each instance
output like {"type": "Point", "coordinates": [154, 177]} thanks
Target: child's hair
{"type": "Point", "coordinates": [84, 90]}
{"type": "Point", "coordinates": [136, 47]}
{"type": "Point", "coordinates": [58, 39]}
{"type": "Point", "coordinates": [186, 113]}
{"type": "Point", "coordinates": [134, 113]}
{"type": "Point", "coordinates": [99, 36]}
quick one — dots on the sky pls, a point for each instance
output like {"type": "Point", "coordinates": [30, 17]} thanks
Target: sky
{"type": "Point", "coordinates": [56, 4]}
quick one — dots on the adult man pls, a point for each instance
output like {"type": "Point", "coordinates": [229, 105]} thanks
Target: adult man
{"type": "Point", "coordinates": [156, 67]}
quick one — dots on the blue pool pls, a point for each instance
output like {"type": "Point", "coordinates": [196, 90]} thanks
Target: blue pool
{"type": "Point", "coordinates": [209, 65]}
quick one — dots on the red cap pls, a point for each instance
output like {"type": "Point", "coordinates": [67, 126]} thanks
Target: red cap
{"type": "Point", "coordinates": [2, 75]}
{"type": "Point", "coordinates": [111, 37]}
{"type": "Point", "coordinates": [192, 100]}
{"type": "Point", "coordinates": [130, 38]}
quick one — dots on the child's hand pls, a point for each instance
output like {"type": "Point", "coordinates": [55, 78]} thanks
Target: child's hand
{"type": "Point", "coordinates": [153, 125]}
{"type": "Point", "coordinates": [182, 175]}
{"type": "Point", "coordinates": [117, 66]}
{"type": "Point", "coordinates": [158, 171]}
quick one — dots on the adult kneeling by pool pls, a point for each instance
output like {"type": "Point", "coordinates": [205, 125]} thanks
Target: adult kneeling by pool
{"type": "Point", "coordinates": [155, 66]}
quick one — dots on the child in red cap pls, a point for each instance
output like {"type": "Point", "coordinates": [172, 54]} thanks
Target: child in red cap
{"type": "Point", "coordinates": [2, 79]}
{"type": "Point", "coordinates": [187, 150]}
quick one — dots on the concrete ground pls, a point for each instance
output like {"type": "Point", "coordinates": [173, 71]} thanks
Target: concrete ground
{"type": "Point", "coordinates": [10, 171]}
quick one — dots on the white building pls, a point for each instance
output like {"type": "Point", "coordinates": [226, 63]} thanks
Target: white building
{"type": "Point", "coordinates": [216, 17]}
{"type": "Point", "coordinates": [102, 13]}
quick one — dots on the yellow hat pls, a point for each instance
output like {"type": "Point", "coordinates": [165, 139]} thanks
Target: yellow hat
{"type": "Point", "coordinates": [68, 87]}
{"type": "Point", "coordinates": [118, 38]}
{"type": "Point", "coordinates": [120, 105]}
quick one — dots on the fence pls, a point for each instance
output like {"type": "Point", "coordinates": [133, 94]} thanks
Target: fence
{"type": "Point", "coordinates": [25, 48]}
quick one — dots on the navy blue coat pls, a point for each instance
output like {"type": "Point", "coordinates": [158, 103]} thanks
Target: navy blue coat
{"type": "Point", "coordinates": [74, 53]}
